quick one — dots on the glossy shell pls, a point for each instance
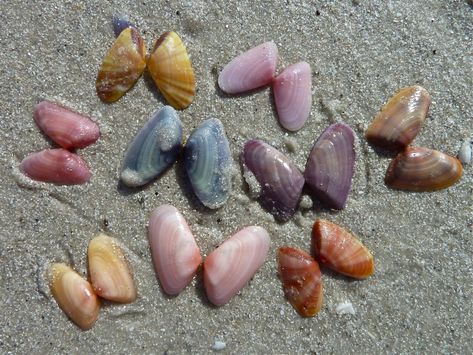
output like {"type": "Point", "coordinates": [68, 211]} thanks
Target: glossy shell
{"type": "Point", "coordinates": [154, 149]}
{"type": "Point", "coordinates": [122, 66]}
{"type": "Point", "coordinates": [57, 166]}
{"type": "Point", "coordinates": [340, 250]}
{"type": "Point", "coordinates": [209, 163]}
{"type": "Point", "coordinates": [176, 255]}
{"type": "Point", "coordinates": [401, 118]}
{"type": "Point", "coordinates": [301, 279]}
{"type": "Point", "coordinates": [279, 180]}
{"type": "Point", "coordinates": [110, 273]}
{"type": "Point", "coordinates": [67, 128]}
{"type": "Point", "coordinates": [293, 95]}
{"type": "Point", "coordinates": [250, 70]}
{"type": "Point", "coordinates": [229, 267]}
{"type": "Point", "coordinates": [330, 167]}
{"type": "Point", "coordinates": [119, 24]}
{"type": "Point", "coordinates": [171, 70]}
{"type": "Point", "coordinates": [423, 169]}
{"type": "Point", "coordinates": [74, 295]}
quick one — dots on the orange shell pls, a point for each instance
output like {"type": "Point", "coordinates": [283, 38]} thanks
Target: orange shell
{"type": "Point", "coordinates": [340, 250]}
{"type": "Point", "coordinates": [171, 69]}
{"type": "Point", "coordinates": [122, 66]}
{"type": "Point", "coordinates": [301, 279]}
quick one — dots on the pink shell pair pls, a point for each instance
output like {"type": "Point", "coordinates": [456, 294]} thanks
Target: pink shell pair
{"type": "Point", "coordinates": [292, 88]}
{"type": "Point", "coordinates": [227, 269]}
{"type": "Point", "coordinates": [68, 129]}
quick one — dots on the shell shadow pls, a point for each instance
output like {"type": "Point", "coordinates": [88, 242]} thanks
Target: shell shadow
{"type": "Point", "coordinates": [200, 289]}
{"type": "Point", "coordinates": [151, 86]}
{"type": "Point", "coordinates": [383, 152]}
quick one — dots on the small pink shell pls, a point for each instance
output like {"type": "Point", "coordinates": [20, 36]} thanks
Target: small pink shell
{"type": "Point", "coordinates": [57, 166]}
{"type": "Point", "coordinates": [228, 268]}
{"type": "Point", "coordinates": [250, 70]}
{"type": "Point", "coordinates": [293, 95]}
{"type": "Point", "coordinates": [176, 255]}
{"type": "Point", "coordinates": [67, 128]}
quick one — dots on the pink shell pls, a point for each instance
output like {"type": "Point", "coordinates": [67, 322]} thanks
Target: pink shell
{"type": "Point", "coordinates": [293, 95]}
{"type": "Point", "coordinates": [176, 255]}
{"type": "Point", "coordinates": [228, 268]}
{"type": "Point", "coordinates": [250, 70]}
{"type": "Point", "coordinates": [57, 166]}
{"type": "Point", "coordinates": [65, 127]}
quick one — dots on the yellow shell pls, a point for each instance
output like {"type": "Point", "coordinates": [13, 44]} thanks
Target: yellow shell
{"type": "Point", "coordinates": [109, 271]}
{"type": "Point", "coordinates": [74, 295]}
{"type": "Point", "coordinates": [122, 66]}
{"type": "Point", "coordinates": [171, 70]}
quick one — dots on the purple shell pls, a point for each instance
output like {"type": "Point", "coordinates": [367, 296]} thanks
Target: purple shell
{"type": "Point", "coordinates": [330, 166]}
{"type": "Point", "coordinates": [279, 180]}
{"type": "Point", "coordinates": [119, 24]}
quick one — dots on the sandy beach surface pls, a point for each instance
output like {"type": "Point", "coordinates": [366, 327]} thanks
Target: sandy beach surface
{"type": "Point", "coordinates": [361, 52]}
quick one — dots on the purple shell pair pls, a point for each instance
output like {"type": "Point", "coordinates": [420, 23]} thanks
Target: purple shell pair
{"type": "Point", "coordinates": [328, 173]}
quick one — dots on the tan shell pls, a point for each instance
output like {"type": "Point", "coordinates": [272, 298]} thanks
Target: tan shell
{"type": "Point", "coordinates": [74, 295]}
{"type": "Point", "coordinates": [110, 273]}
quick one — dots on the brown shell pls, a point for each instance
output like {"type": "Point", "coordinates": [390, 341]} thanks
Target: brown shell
{"type": "Point", "coordinates": [171, 69]}
{"type": "Point", "coordinates": [423, 169]}
{"type": "Point", "coordinates": [340, 250]}
{"type": "Point", "coordinates": [122, 66]}
{"type": "Point", "coordinates": [301, 279]}
{"type": "Point", "coordinates": [400, 119]}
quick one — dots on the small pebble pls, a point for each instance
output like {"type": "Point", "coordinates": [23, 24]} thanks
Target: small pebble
{"type": "Point", "coordinates": [345, 308]}
{"type": "Point", "coordinates": [219, 345]}
{"type": "Point", "coordinates": [464, 154]}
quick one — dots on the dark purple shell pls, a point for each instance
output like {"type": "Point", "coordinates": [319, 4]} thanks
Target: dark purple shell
{"type": "Point", "coordinates": [280, 181]}
{"type": "Point", "coordinates": [119, 24]}
{"type": "Point", "coordinates": [330, 166]}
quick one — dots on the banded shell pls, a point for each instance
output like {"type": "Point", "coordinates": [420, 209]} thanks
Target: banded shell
{"type": "Point", "coordinates": [74, 295]}
{"type": "Point", "coordinates": [279, 180]}
{"type": "Point", "coordinates": [154, 149]}
{"type": "Point", "coordinates": [67, 128]}
{"type": "Point", "coordinates": [229, 267]}
{"type": "Point", "coordinates": [122, 66]}
{"type": "Point", "coordinates": [110, 273]}
{"type": "Point", "coordinates": [57, 166]}
{"type": "Point", "coordinates": [330, 167]}
{"type": "Point", "coordinates": [340, 250]}
{"type": "Point", "coordinates": [301, 279]}
{"type": "Point", "coordinates": [176, 255]}
{"type": "Point", "coordinates": [171, 70]}
{"type": "Point", "coordinates": [209, 163]}
{"type": "Point", "coordinates": [398, 123]}
{"type": "Point", "coordinates": [250, 70]}
{"type": "Point", "coordinates": [293, 95]}
{"type": "Point", "coordinates": [423, 169]}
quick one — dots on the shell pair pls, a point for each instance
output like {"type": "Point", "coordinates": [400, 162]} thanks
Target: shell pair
{"type": "Point", "coordinates": [168, 64]}
{"type": "Point", "coordinates": [394, 128]}
{"type": "Point", "coordinates": [278, 182]}
{"type": "Point", "coordinates": [207, 156]}
{"type": "Point", "coordinates": [68, 129]}
{"type": "Point", "coordinates": [110, 278]}
{"type": "Point", "coordinates": [227, 269]}
{"type": "Point", "coordinates": [333, 247]}
{"type": "Point", "coordinates": [292, 88]}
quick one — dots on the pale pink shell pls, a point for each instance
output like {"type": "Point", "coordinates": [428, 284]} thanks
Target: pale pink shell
{"type": "Point", "coordinates": [57, 166]}
{"type": "Point", "coordinates": [67, 128]}
{"type": "Point", "coordinates": [228, 268]}
{"type": "Point", "coordinates": [293, 95]}
{"type": "Point", "coordinates": [176, 255]}
{"type": "Point", "coordinates": [250, 70]}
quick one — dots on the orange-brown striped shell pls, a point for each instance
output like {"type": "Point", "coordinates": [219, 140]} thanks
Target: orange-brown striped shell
{"type": "Point", "coordinates": [301, 279]}
{"type": "Point", "coordinates": [122, 66]}
{"type": "Point", "coordinates": [400, 119]}
{"type": "Point", "coordinates": [423, 169]}
{"type": "Point", "coordinates": [171, 70]}
{"type": "Point", "coordinates": [340, 250]}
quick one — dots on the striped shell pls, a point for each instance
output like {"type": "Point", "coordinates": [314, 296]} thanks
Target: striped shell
{"type": "Point", "coordinates": [171, 70]}
{"type": "Point", "coordinates": [340, 250]}
{"type": "Point", "coordinates": [423, 169]}
{"type": "Point", "coordinates": [301, 279]}
{"type": "Point", "coordinates": [122, 66]}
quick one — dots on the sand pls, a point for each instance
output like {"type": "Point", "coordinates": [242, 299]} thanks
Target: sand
{"type": "Point", "coordinates": [361, 52]}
